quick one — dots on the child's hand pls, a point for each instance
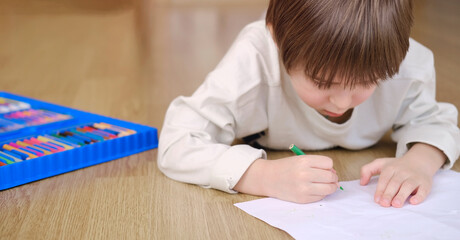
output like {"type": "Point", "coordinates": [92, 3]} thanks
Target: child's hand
{"type": "Point", "coordinates": [303, 179]}
{"type": "Point", "coordinates": [401, 177]}
{"type": "Point", "coordinates": [300, 179]}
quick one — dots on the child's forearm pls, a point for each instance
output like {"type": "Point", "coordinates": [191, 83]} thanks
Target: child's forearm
{"type": "Point", "coordinates": [428, 157]}
{"type": "Point", "coordinates": [252, 182]}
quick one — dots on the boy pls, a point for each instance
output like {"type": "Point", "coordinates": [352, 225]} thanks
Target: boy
{"type": "Point", "coordinates": [320, 74]}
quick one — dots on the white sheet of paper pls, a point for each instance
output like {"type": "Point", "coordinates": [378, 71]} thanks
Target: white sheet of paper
{"type": "Point", "coordinates": [353, 214]}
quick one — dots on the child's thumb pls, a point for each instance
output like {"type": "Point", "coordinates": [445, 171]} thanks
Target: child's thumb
{"type": "Point", "coordinates": [371, 169]}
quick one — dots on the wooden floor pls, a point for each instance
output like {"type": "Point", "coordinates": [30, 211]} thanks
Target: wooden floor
{"type": "Point", "coordinates": [128, 60]}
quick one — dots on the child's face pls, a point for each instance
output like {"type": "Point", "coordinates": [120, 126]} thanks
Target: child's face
{"type": "Point", "coordinates": [332, 102]}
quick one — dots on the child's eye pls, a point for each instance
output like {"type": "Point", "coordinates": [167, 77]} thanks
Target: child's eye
{"type": "Point", "coordinates": [323, 85]}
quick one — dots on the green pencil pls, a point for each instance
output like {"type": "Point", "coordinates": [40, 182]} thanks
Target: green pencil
{"type": "Point", "coordinates": [297, 151]}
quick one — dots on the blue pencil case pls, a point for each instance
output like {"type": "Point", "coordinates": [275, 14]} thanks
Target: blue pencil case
{"type": "Point", "coordinates": [40, 139]}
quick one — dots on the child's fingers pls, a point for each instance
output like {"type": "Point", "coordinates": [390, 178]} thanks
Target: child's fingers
{"type": "Point", "coordinates": [323, 189]}
{"type": "Point", "coordinates": [406, 189]}
{"type": "Point", "coordinates": [323, 176]}
{"type": "Point", "coordinates": [382, 184]}
{"type": "Point", "coordinates": [395, 185]}
{"type": "Point", "coordinates": [422, 193]}
{"type": "Point", "coordinates": [316, 161]}
{"type": "Point", "coordinates": [371, 169]}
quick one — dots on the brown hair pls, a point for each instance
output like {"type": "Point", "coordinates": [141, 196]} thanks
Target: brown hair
{"type": "Point", "coordinates": [363, 41]}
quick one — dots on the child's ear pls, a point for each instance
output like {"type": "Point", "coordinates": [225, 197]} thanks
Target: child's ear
{"type": "Point", "coordinates": [270, 29]}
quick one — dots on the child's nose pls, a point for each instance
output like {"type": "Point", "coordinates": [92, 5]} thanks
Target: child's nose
{"type": "Point", "coordinates": [341, 100]}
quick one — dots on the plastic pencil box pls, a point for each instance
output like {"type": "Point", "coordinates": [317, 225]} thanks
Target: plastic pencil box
{"type": "Point", "coordinates": [40, 139]}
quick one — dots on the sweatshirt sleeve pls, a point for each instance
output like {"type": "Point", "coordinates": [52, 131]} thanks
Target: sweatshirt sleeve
{"type": "Point", "coordinates": [422, 119]}
{"type": "Point", "coordinates": [196, 137]}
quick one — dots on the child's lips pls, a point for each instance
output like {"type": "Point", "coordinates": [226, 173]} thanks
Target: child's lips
{"type": "Point", "coordinates": [331, 114]}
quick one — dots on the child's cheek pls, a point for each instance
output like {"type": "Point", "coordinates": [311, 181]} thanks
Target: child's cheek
{"type": "Point", "coordinates": [316, 101]}
{"type": "Point", "coordinates": [362, 96]}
